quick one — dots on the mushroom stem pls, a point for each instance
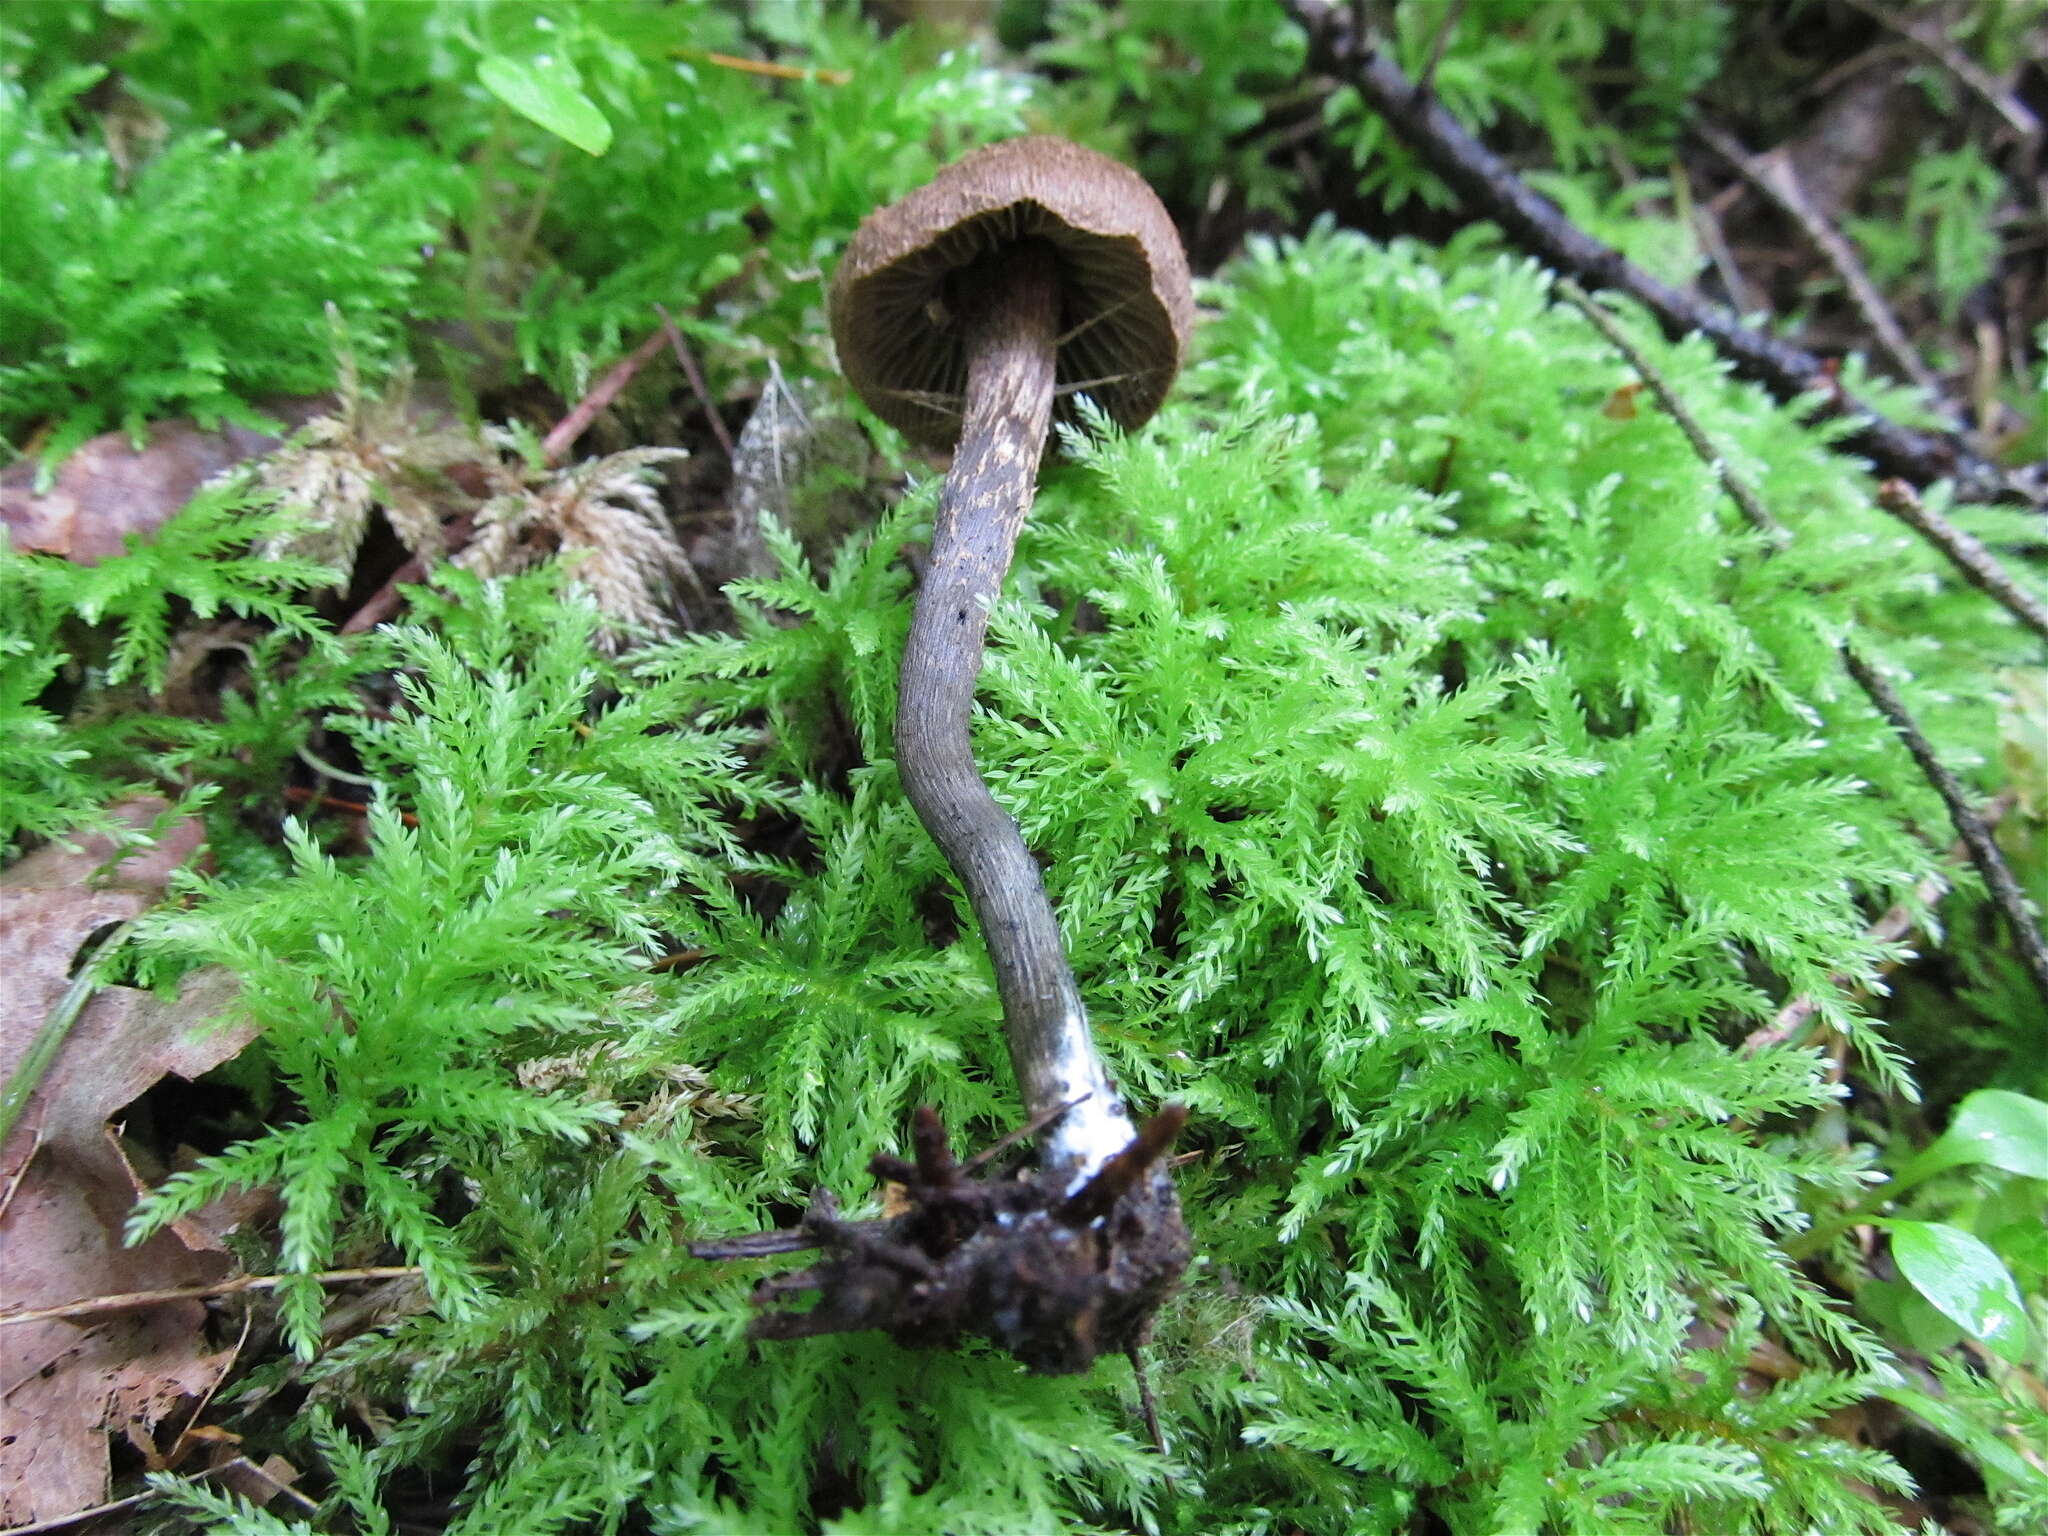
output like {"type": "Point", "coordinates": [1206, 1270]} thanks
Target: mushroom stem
{"type": "Point", "coordinates": [1011, 325]}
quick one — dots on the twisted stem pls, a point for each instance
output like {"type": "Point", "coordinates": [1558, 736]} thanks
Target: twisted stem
{"type": "Point", "coordinates": [1011, 320]}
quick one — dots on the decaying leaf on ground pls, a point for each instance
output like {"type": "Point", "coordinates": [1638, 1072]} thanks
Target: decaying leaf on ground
{"type": "Point", "coordinates": [110, 488]}
{"type": "Point", "coordinates": [66, 1184]}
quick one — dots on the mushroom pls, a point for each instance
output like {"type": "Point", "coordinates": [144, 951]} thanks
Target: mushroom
{"type": "Point", "coordinates": [967, 315]}
{"type": "Point", "coordinates": [961, 314]}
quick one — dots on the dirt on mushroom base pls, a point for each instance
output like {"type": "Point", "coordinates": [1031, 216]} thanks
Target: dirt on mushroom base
{"type": "Point", "coordinates": [1054, 1276]}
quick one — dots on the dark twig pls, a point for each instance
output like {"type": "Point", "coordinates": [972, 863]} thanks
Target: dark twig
{"type": "Point", "coordinates": [131, 1301]}
{"type": "Point", "coordinates": [695, 375]}
{"type": "Point", "coordinates": [1338, 48]}
{"type": "Point", "coordinates": [1753, 510]}
{"type": "Point", "coordinates": [1148, 1405]}
{"type": "Point", "coordinates": [756, 1245]}
{"type": "Point", "coordinates": [1967, 554]}
{"type": "Point", "coordinates": [1446, 28]}
{"type": "Point", "coordinates": [136, 1501]}
{"type": "Point", "coordinates": [1024, 1132]}
{"type": "Point", "coordinates": [1705, 223]}
{"type": "Point", "coordinates": [1969, 824]}
{"type": "Point", "coordinates": [383, 603]}
{"type": "Point", "coordinates": [299, 795]}
{"type": "Point", "coordinates": [1979, 566]}
{"type": "Point", "coordinates": [572, 426]}
{"type": "Point", "coordinates": [56, 1027]}
{"type": "Point", "coordinates": [1933, 41]}
{"type": "Point", "coordinates": [1774, 176]}
{"type": "Point", "coordinates": [1896, 925]}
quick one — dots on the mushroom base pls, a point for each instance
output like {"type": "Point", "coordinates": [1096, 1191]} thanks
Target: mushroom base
{"type": "Point", "coordinates": [1053, 1277]}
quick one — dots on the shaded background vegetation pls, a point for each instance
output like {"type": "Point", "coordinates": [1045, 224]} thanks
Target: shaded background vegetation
{"type": "Point", "coordinates": [1446, 794]}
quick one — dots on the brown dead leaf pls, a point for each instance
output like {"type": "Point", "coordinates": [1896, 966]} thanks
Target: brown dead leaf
{"type": "Point", "coordinates": [260, 1485]}
{"type": "Point", "coordinates": [1621, 405]}
{"type": "Point", "coordinates": [55, 899]}
{"type": "Point", "coordinates": [65, 1386]}
{"type": "Point", "coordinates": [109, 489]}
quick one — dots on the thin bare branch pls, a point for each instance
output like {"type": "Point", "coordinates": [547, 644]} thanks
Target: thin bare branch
{"type": "Point", "coordinates": [1896, 925]}
{"type": "Point", "coordinates": [1753, 510]}
{"type": "Point", "coordinates": [383, 603]}
{"type": "Point", "coordinates": [1705, 223]}
{"type": "Point", "coordinates": [695, 375]}
{"type": "Point", "coordinates": [764, 67]}
{"type": "Point", "coordinates": [1772, 174]}
{"type": "Point", "coordinates": [130, 1301]}
{"type": "Point", "coordinates": [1979, 566]}
{"type": "Point", "coordinates": [1969, 824]}
{"type": "Point", "coordinates": [1967, 554]}
{"type": "Point", "coordinates": [1338, 47]}
{"type": "Point", "coordinates": [1446, 28]}
{"type": "Point", "coordinates": [1933, 41]}
{"type": "Point", "coordinates": [572, 426]}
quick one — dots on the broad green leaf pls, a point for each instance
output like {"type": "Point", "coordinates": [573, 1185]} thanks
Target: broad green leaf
{"type": "Point", "coordinates": [2023, 1245]}
{"type": "Point", "coordinates": [1900, 1312]}
{"type": "Point", "coordinates": [1994, 1127]}
{"type": "Point", "coordinates": [546, 91]}
{"type": "Point", "coordinates": [1963, 1279]}
{"type": "Point", "coordinates": [2005, 1129]}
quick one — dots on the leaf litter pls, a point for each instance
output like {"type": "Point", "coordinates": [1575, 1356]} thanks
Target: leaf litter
{"type": "Point", "coordinates": [66, 1183]}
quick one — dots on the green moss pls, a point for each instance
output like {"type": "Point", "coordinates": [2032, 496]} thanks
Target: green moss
{"type": "Point", "coordinates": [1435, 820]}
{"type": "Point", "coordinates": [1439, 784]}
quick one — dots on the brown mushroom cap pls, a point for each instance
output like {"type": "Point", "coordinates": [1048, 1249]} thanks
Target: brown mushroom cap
{"type": "Point", "coordinates": [1125, 302]}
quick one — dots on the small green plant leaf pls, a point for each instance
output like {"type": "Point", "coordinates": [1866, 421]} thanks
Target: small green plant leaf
{"type": "Point", "coordinates": [2004, 1129]}
{"type": "Point", "coordinates": [1903, 1313]}
{"type": "Point", "coordinates": [2023, 1245]}
{"type": "Point", "coordinates": [1963, 1279]}
{"type": "Point", "coordinates": [545, 90]}
{"type": "Point", "coordinates": [1994, 1127]}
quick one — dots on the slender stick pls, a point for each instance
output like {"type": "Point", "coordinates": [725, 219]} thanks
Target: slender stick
{"type": "Point", "coordinates": [1964, 551]}
{"type": "Point", "coordinates": [1337, 47]}
{"type": "Point", "coordinates": [1934, 41]}
{"type": "Point", "coordinates": [688, 360]}
{"type": "Point", "coordinates": [2006, 894]}
{"type": "Point", "coordinates": [129, 1301]}
{"type": "Point", "coordinates": [1984, 852]}
{"type": "Point", "coordinates": [1148, 1405]}
{"type": "Point", "coordinates": [1979, 566]}
{"type": "Point", "coordinates": [1754, 512]}
{"type": "Point", "coordinates": [1896, 924]}
{"type": "Point", "coordinates": [1446, 27]}
{"type": "Point", "coordinates": [1011, 336]}
{"type": "Point", "coordinates": [136, 1501]}
{"type": "Point", "coordinates": [556, 445]}
{"type": "Point", "coordinates": [763, 67]}
{"type": "Point", "coordinates": [384, 603]}
{"type": "Point", "coordinates": [1773, 176]}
